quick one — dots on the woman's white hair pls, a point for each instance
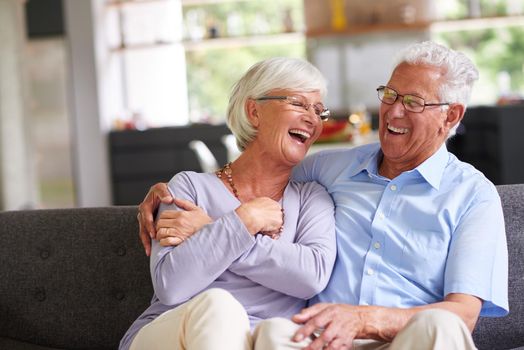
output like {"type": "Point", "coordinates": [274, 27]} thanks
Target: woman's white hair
{"type": "Point", "coordinates": [460, 72]}
{"type": "Point", "coordinates": [260, 79]}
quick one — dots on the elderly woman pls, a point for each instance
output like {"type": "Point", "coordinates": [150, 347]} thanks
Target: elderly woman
{"type": "Point", "coordinates": [264, 244]}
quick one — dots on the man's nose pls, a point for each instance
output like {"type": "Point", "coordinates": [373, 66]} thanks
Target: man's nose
{"type": "Point", "coordinates": [397, 109]}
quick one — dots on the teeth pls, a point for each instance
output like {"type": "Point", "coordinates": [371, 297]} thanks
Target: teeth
{"type": "Point", "coordinates": [301, 133]}
{"type": "Point", "coordinates": [397, 130]}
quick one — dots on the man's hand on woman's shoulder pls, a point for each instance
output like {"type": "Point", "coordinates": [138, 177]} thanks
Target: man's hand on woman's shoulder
{"type": "Point", "coordinates": [157, 194]}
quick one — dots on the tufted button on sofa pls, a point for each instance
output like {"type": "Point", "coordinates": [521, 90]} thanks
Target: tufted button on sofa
{"type": "Point", "coordinates": [77, 278]}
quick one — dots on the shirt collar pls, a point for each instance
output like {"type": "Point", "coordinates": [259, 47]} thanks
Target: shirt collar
{"type": "Point", "coordinates": [432, 169]}
{"type": "Point", "coordinates": [369, 163]}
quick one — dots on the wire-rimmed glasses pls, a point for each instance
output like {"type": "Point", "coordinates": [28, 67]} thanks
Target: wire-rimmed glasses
{"type": "Point", "coordinates": [412, 103]}
{"type": "Point", "coordinates": [299, 101]}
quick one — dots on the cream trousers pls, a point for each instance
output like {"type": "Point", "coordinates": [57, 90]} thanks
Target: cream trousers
{"type": "Point", "coordinates": [429, 329]}
{"type": "Point", "coordinates": [215, 320]}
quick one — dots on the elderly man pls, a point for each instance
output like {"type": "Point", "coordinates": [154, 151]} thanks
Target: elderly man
{"type": "Point", "coordinates": [420, 235]}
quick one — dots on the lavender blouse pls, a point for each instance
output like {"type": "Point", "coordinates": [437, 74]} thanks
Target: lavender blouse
{"type": "Point", "coordinates": [270, 278]}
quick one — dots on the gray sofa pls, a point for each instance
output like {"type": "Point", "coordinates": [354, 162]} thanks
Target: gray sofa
{"type": "Point", "coordinates": [77, 278]}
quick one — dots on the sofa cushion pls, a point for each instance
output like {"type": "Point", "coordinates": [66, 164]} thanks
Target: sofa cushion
{"type": "Point", "coordinates": [508, 332]}
{"type": "Point", "coordinates": [71, 278]}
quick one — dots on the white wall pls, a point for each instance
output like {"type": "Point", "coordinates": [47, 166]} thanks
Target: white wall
{"type": "Point", "coordinates": [356, 65]}
{"type": "Point", "coordinates": [90, 151]}
{"type": "Point", "coordinates": [17, 170]}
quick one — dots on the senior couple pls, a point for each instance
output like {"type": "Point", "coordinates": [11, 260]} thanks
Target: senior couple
{"type": "Point", "coordinates": [257, 256]}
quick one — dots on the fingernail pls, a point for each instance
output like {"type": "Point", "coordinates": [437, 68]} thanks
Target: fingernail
{"type": "Point", "coordinates": [151, 234]}
{"type": "Point", "coordinates": [298, 337]}
{"type": "Point", "coordinates": [177, 240]}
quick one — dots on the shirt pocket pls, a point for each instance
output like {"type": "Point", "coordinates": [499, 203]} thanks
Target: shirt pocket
{"type": "Point", "coordinates": [424, 259]}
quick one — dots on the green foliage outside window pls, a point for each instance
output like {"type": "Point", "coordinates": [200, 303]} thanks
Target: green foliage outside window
{"type": "Point", "coordinates": [495, 52]}
{"type": "Point", "coordinates": [211, 73]}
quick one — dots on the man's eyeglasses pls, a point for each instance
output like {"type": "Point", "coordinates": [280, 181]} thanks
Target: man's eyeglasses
{"type": "Point", "coordinates": [300, 102]}
{"type": "Point", "coordinates": [411, 103]}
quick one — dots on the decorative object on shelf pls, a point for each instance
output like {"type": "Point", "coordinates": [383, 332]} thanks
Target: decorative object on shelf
{"type": "Point", "coordinates": [287, 21]}
{"type": "Point", "coordinates": [335, 130]}
{"type": "Point", "coordinates": [338, 16]}
{"type": "Point", "coordinates": [474, 9]}
{"type": "Point", "coordinates": [212, 28]}
{"type": "Point", "coordinates": [194, 24]}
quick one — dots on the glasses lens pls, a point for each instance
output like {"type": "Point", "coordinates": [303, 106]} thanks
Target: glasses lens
{"type": "Point", "coordinates": [387, 95]}
{"type": "Point", "coordinates": [297, 101]}
{"type": "Point", "coordinates": [413, 103]}
{"type": "Point", "coordinates": [319, 109]}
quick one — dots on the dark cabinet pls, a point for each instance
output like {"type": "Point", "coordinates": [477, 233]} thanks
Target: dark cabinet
{"type": "Point", "coordinates": [491, 139]}
{"type": "Point", "coordinates": [141, 158]}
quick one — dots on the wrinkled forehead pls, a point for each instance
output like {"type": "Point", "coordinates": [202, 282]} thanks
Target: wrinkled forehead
{"type": "Point", "coordinates": [417, 79]}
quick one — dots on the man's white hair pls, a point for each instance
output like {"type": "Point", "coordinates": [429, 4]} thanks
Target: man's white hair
{"type": "Point", "coordinates": [460, 72]}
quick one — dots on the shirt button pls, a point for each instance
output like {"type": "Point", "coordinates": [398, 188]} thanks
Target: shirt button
{"type": "Point", "coordinates": [393, 187]}
{"type": "Point", "coordinates": [370, 271]}
{"type": "Point", "coordinates": [376, 245]}
{"type": "Point", "coordinates": [381, 215]}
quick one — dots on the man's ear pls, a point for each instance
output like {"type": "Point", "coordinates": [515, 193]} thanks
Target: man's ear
{"type": "Point", "coordinates": [252, 113]}
{"type": "Point", "coordinates": [454, 115]}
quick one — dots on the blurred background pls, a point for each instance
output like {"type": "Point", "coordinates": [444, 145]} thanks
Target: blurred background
{"type": "Point", "coordinates": [99, 99]}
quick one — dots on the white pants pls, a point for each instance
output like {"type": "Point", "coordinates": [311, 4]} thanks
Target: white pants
{"type": "Point", "coordinates": [429, 329]}
{"type": "Point", "coordinates": [213, 319]}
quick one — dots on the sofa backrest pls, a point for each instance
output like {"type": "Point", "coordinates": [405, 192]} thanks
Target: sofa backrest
{"type": "Point", "coordinates": [71, 278]}
{"type": "Point", "coordinates": [78, 278]}
{"type": "Point", "coordinates": [508, 332]}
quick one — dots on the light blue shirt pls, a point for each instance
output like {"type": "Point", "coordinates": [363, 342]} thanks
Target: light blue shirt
{"type": "Point", "coordinates": [410, 241]}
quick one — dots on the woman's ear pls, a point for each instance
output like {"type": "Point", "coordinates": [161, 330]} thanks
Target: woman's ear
{"type": "Point", "coordinates": [252, 113]}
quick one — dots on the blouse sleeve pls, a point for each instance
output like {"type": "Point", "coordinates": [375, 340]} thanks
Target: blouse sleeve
{"type": "Point", "coordinates": [178, 273]}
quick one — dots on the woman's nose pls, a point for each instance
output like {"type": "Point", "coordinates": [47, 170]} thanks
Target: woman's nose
{"type": "Point", "coordinates": [311, 116]}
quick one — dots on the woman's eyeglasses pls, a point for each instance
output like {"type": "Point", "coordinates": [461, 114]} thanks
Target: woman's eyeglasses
{"type": "Point", "coordinates": [300, 102]}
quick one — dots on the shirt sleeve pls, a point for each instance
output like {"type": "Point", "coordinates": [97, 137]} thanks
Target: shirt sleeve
{"type": "Point", "coordinates": [305, 171]}
{"type": "Point", "coordinates": [478, 257]}
{"type": "Point", "coordinates": [302, 267]}
{"type": "Point", "coordinates": [178, 273]}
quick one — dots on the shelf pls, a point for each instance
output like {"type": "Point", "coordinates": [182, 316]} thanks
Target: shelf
{"type": "Point", "coordinates": [369, 28]}
{"type": "Point", "coordinates": [477, 23]}
{"type": "Point", "coordinates": [437, 26]}
{"type": "Point", "coordinates": [142, 46]}
{"type": "Point", "coordinates": [121, 3]}
{"type": "Point", "coordinates": [220, 43]}
{"type": "Point", "coordinates": [207, 2]}
{"type": "Point", "coordinates": [242, 41]}
{"type": "Point", "coordinates": [117, 3]}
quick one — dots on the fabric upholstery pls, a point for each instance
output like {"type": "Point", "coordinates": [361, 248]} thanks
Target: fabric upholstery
{"type": "Point", "coordinates": [71, 278]}
{"type": "Point", "coordinates": [77, 278]}
{"type": "Point", "coordinates": [508, 332]}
